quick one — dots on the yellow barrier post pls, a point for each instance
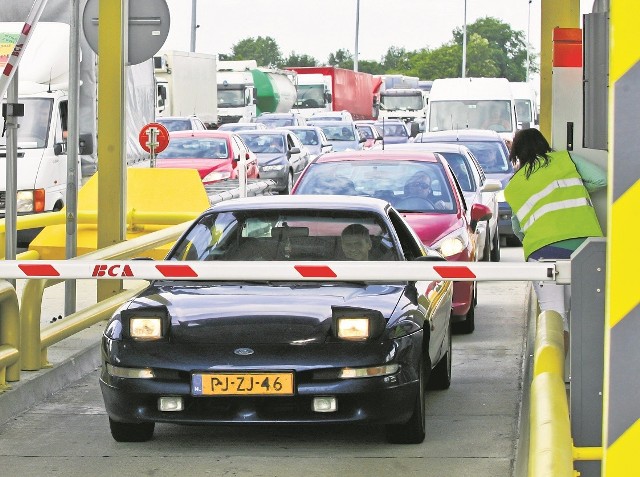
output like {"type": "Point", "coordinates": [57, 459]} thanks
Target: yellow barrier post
{"type": "Point", "coordinates": [9, 335]}
{"type": "Point", "coordinates": [549, 353]}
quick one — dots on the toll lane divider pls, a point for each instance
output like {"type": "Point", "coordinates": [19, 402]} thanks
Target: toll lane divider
{"type": "Point", "coordinates": [380, 271]}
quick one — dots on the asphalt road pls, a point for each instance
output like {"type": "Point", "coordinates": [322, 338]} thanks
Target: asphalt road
{"type": "Point", "coordinates": [473, 427]}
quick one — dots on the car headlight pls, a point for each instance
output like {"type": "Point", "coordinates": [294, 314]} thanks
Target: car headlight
{"type": "Point", "coordinates": [452, 244]}
{"type": "Point", "coordinates": [357, 324]}
{"type": "Point", "coordinates": [272, 168]}
{"type": "Point", "coordinates": [145, 324]}
{"type": "Point", "coordinates": [216, 176]}
{"type": "Point", "coordinates": [144, 328]}
{"type": "Point", "coordinates": [353, 328]}
{"type": "Point", "coordinates": [30, 201]}
{"type": "Point", "coordinates": [500, 196]}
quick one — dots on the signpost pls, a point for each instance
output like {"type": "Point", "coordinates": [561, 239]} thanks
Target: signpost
{"type": "Point", "coordinates": [154, 138]}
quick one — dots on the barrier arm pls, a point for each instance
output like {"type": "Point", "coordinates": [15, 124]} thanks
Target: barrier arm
{"type": "Point", "coordinates": [378, 271]}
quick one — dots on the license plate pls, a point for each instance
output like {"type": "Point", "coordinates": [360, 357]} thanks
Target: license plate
{"type": "Point", "coordinates": [242, 384]}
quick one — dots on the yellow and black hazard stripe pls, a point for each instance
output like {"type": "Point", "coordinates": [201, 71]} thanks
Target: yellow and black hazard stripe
{"type": "Point", "coordinates": [621, 426]}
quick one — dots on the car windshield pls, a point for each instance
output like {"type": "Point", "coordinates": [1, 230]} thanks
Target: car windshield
{"type": "Point", "coordinates": [201, 148]}
{"type": "Point", "coordinates": [470, 114]}
{"type": "Point", "coordinates": [402, 102]}
{"type": "Point", "coordinates": [34, 125]}
{"type": "Point", "coordinates": [275, 122]}
{"type": "Point", "coordinates": [394, 129]}
{"type": "Point", "coordinates": [461, 170]}
{"type": "Point", "coordinates": [366, 131]}
{"type": "Point", "coordinates": [394, 181]}
{"type": "Point", "coordinates": [307, 137]}
{"type": "Point", "coordinates": [230, 98]}
{"type": "Point", "coordinates": [264, 143]}
{"type": "Point", "coordinates": [338, 133]}
{"type": "Point", "coordinates": [175, 124]}
{"type": "Point", "coordinates": [281, 235]}
{"type": "Point", "coordinates": [491, 155]}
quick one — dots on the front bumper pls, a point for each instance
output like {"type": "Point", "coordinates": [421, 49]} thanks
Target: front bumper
{"type": "Point", "coordinates": [379, 399]}
{"type": "Point", "coordinates": [279, 177]}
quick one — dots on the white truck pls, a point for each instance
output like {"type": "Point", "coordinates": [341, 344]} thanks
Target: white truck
{"type": "Point", "coordinates": [402, 98]}
{"type": "Point", "coordinates": [186, 85]}
{"type": "Point", "coordinates": [236, 91]}
{"type": "Point", "coordinates": [43, 75]}
{"type": "Point", "coordinates": [472, 103]}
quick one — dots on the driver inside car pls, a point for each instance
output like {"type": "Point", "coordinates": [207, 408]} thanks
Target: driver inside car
{"type": "Point", "coordinates": [420, 186]}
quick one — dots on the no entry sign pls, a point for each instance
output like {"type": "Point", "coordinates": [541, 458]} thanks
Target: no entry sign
{"type": "Point", "coordinates": [154, 138]}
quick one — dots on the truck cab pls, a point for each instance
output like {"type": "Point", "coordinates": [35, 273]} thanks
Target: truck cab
{"type": "Point", "coordinates": [314, 95]}
{"type": "Point", "coordinates": [236, 91]}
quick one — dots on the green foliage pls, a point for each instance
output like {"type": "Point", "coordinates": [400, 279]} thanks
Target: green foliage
{"type": "Point", "coordinates": [300, 60]}
{"type": "Point", "coordinates": [264, 50]}
{"type": "Point", "coordinates": [493, 50]}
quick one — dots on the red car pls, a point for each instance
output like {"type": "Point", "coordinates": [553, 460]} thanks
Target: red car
{"type": "Point", "coordinates": [215, 154]}
{"type": "Point", "coordinates": [421, 186]}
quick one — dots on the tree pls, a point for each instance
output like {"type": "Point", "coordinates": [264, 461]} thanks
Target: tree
{"type": "Point", "coordinates": [371, 67]}
{"type": "Point", "coordinates": [342, 59]}
{"type": "Point", "coordinates": [300, 60]}
{"type": "Point", "coordinates": [508, 49]}
{"type": "Point", "coordinates": [264, 50]}
{"type": "Point", "coordinates": [396, 60]}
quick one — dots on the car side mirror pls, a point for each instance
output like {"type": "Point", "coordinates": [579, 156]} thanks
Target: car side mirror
{"type": "Point", "coordinates": [491, 185]}
{"type": "Point", "coordinates": [479, 213]}
{"type": "Point", "coordinates": [294, 150]}
{"type": "Point", "coordinates": [415, 129]}
{"type": "Point", "coordinates": [59, 148]}
{"type": "Point", "coordinates": [86, 144]}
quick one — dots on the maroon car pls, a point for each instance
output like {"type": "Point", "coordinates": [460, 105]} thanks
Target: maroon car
{"type": "Point", "coordinates": [421, 186]}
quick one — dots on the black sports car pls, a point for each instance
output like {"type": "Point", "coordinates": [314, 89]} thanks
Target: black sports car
{"type": "Point", "coordinates": [225, 351]}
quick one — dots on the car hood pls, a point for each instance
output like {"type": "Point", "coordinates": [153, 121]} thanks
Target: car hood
{"type": "Point", "coordinates": [260, 313]}
{"type": "Point", "coordinates": [396, 139]}
{"type": "Point", "coordinates": [433, 227]}
{"type": "Point", "coordinates": [204, 166]}
{"type": "Point", "coordinates": [267, 158]}
{"type": "Point", "coordinates": [345, 145]}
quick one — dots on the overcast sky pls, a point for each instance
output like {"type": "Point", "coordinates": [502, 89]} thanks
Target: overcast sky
{"type": "Point", "coordinates": [321, 27]}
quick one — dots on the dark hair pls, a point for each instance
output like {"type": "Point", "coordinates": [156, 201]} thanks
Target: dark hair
{"type": "Point", "coordinates": [356, 229]}
{"type": "Point", "coordinates": [531, 149]}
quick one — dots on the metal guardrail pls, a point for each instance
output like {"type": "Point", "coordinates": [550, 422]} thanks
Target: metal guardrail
{"type": "Point", "coordinates": [9, 335]}
{"type": "Point", "coordinates": [551, 450]}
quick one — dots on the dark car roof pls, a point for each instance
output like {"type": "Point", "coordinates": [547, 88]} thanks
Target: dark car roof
{"type": "Point", "coordinates": [203, 133]}
{"type": "Point", "coordinates": [320, 202]}
{"type": "Point", "coordinates": [429, 147]}
{"type": "Point", "coordinates": [459, 135]}
{"type": "Point", "coordinates": [377, 155]}
{"type": "Point", "coordinates": [312, 122]}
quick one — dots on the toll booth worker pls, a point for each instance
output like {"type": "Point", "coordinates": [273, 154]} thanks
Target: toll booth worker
{"type": "Point", "coordinates": [553, 214]}
{"type": "Point", "coordinates": [356, 242]}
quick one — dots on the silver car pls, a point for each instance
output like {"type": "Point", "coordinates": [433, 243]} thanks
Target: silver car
{"type": "Point", "coordinates": [281, 155]}
{"type": "Point", "coordinates": [344, 135]}
{"type": "Point", "coordinates": [313, 138]}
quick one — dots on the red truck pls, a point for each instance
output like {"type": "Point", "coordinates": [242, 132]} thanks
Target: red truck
{"type": "Point", "coordinates": [327, 88]}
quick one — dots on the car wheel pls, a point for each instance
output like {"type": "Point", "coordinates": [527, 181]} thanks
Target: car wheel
{"type": "Point", "coordinates": [130, 432]}
{"type": "Point", "coordinates": [468, 325]}
{"type": "Point", "coordinates": [414, 430]}
{"type": "Point", "coordinates": [289, 186]}
{"type": "Point", "coordinates": [441, 374]}
{"type": "Point", "coordinates": [495, 252]}
{"type": "Point", "coordinates": [486, 253]}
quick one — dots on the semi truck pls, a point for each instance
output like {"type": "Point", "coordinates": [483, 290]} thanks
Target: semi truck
{"type": "Point", "coordinates": [246, 91]}
{"type": "Point", "coordinates": [327, 88]}
{"type": "Point", "coordinates": [185, 85]}
{"type": "Point", "coordinates": [402, 98]}
{"type": "Point", "coordinates": [43, 75]}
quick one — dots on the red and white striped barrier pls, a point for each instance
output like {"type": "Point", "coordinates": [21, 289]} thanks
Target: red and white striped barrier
{"type": "Point", "coordinates": [558, 271]}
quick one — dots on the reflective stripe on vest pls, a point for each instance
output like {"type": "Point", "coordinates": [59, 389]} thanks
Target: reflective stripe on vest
{"type": "Point", "coordinates": [563, 204]}
{"type": "Point", "coordinates": [523, 211]}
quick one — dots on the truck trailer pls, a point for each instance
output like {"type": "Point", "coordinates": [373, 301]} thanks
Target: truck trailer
{"type": "Point", "coordinates": [327, 88]}
{"type": "Point", "coordinates": [186, 85]}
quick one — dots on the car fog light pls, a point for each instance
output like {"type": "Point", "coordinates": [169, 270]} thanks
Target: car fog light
{"type": "Point", "coordinates": [383, 370]}
{"type": "Point", "coordinates": [118, 372]}
{"type": "Point", "coordinates": [325, 404]}
{"type": "Point", "coordinates": [170, 403]}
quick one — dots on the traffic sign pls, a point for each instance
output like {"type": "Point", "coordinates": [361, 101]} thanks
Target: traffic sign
{"type": "Point", "coordinates": [148, 28]}
{"type": "Point", "coordinates": [154, 138]}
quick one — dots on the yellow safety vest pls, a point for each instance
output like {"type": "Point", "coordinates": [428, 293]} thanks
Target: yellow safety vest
{"type": "Point", "coordinates": [552, 204]}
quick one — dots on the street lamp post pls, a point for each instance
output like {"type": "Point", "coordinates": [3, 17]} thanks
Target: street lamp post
{"type": "Point", "coordinates": [355, 56]}
{"type": "Point", "coordinates": [528, 41]}
{"type": "Point", "coordinates": [464, 41]}
{"type": "Point", "coordinates": [193, 26]}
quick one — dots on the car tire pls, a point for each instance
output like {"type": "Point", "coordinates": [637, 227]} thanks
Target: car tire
{"type": "Point", "coordinates": [131, 432]}
{"type": "Point", "coordinates": [495, 251]}
{"type": "Point", "coordinates": [486, 253]}
{"type": "Point", "coordinates": [468, 325]}
{"type": "Point", "coordinates": [289, 186]}
{"type": "Point", "coordinates": [441, 374]}
{"type": "Point", "coordinates": [414, 430]}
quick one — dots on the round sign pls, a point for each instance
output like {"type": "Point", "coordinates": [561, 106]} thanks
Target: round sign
{"type": "Point", "coordinates": [154, 136]}
{"type": "Point", "coordinates": [148, 28]}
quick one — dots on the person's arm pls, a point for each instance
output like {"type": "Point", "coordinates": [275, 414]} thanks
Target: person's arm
{"type": "Point", "coordinates": [515, 225]}
{"type": "Point", "coordinates": [593, 176]}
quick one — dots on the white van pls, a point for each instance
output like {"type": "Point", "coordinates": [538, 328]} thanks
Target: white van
{"type": "Point", "coordinates": [524, 95]}
{"type": "Point", "coordinates": [472, 103]}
